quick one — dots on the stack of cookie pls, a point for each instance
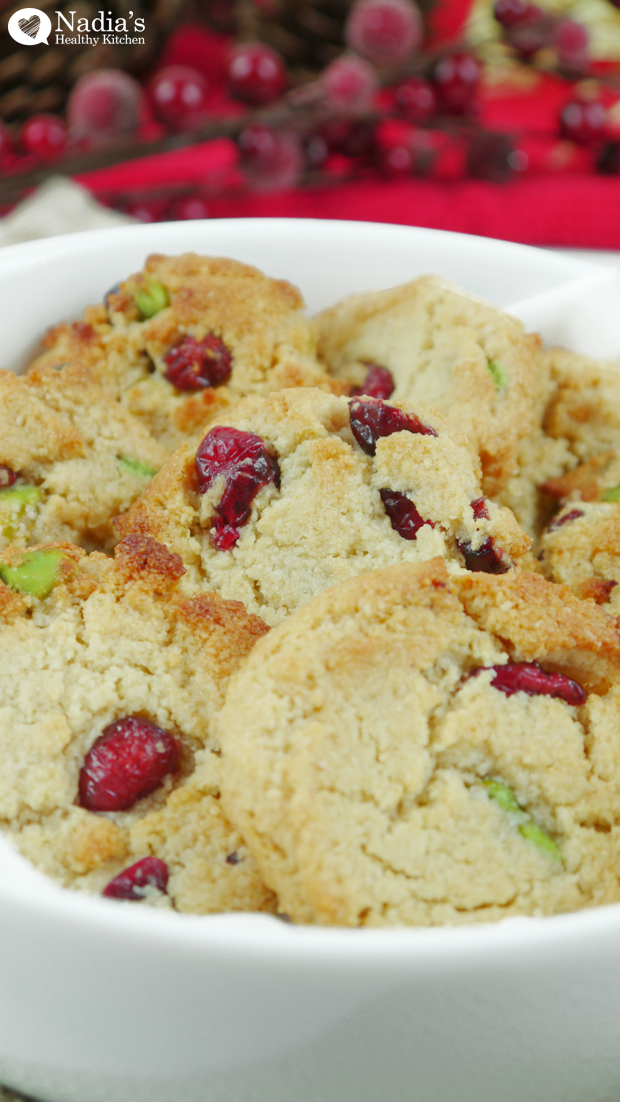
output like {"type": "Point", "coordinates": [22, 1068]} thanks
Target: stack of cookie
{"type": "Point", "coordinates": [342, 658]}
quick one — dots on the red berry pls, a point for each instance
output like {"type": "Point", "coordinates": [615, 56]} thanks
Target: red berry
{"type": "Point", "coordinates": [530, 678]}
{"type": "Point", "coordinates": [487, 558]}
{"type": "Point", "coordinates": [247, 465]}
{"type": "Point", "coordinates": [128, 761]}
{"type": "Point", "coordinates": [179, 96]}
{"type": "Point", "coordinates": [583, 121]}
{"type": "Point", "coordinates": [315, 150]}
{"type": "Point", "coordinates": [188, 207]}
{"type": "Point", "coordinates": [256, 74]}
{"type": "Point", "coordinates": [7, 476]}
{"type": "Point", "coordinates": [379, 382]}
{"type": "Point", "coordinates": [45, 136]}
{"type": "Point", "coordinates": [416, 100]}
{"type": "Point", "coordinates": [384, 31]}
{"type": "Point", "coordinates": [372, 419]}
{"type": "Point", "coordinates": [566, 518]}
{"type": "Point", "coordinates": [134, 882]}
{"type": "Point", "coordinates": [532, 35]}
{"type": "Point", "coordinates": [403, 514]}
{"type": "Point", "coordinates": [271, 160]}
{"type": "Point", "coordinates": [194, 365]}
{"type": "Point", "coordinates": [479, 507]}
{"type": "Point", "coordinates": [350, 83]}
{"type": "Point", "coordinates": [103, 106]}
{"type": "Point", "coordinates": [511, 13]}
{"type": "Point", "coordinates": [456, 78]}
{"type": "Point", "coordinates": [395, 151]}
{"type": "Point", "coordinates": [571, 41]}
{"type": "Point", "coordinates": [6, 146]}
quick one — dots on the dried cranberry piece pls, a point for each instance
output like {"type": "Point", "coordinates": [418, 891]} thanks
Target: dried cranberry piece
{"type": "Point", "coordinates": [530, 678]}
{"type": "Point", "coordinates": [128, 761]}
{"type": "Point", "coordinates": [403, 514]}
{"type": "Point", "coordinates": [193, 365]}
{"type": "Point", "coordinates": [557, 522]}
{"type": "Point", "coordinates": [246, 464]}
{"type": "Point", "coordinates": [479, 507]}
{"type": "Point", "coordinates": [372, 419]}
{"type": "Point", "coordinates": [379, 382]}
{"type": "Point", "coordinates": [131, 883]}
{"type": "Point", "coordinates": [7, 476]}
{"type": "Point", "coordinates": [486, 558]}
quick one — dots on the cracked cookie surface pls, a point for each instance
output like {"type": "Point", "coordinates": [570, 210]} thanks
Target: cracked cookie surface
{"type": "Point", "coordinates": [381, 774]}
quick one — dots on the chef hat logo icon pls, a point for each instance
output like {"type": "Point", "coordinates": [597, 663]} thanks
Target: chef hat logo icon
{"type": "Point", "coordinates": [29, 26]}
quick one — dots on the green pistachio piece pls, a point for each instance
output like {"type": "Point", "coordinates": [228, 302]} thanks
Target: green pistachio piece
{"type": "Point", "coordinates": [134, 466]}
{"type": "Point", "coordinates": [36, 574]}
{"type": "Point", "coordinates": [502, 794]}
{"type": "Point", "coordinates": [498, 374]}
{"type": "Point", "coordinates": [505, 797]}
{"type": "Point", "coordinates": [14, 500]}
{"type": "Point", "coordinates": [152, 298]}
{"type": "Point", "coordinates": [613, 494]}
{"type": "Point", "coordinates": [540, 838]}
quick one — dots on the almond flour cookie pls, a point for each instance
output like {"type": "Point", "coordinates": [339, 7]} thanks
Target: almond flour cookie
{"type": "Point", "coordinates": [300, 490]}
{"type": "Point", "coordinates": [71, 458]}
{"type": "Point", "coordinates": [110, 680]}
{"type": "Point", "coordinates": [581, 549]}
{"type": "Point", "coordinates": [418, 748]}
{"type": "Point", "coordinates": [180, 341]}
{"type": "Point", "coordinates": [430, 343]}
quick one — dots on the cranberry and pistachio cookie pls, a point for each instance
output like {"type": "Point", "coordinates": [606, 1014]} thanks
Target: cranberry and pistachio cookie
{"type": "Point", "coordinates": [300, 490]}
{"type": "Point", "coordinates": [110, 680]}
{"type": "Point", "coordinates": [581, 549]}
{"type": "Point", "coordinates": [429, 342]}
{"type": "Point", "coordinates": [182, 340]}
{"type": "Point", "coordinates": [418, 748]}
{"type": "Point", "coordinates": [71, 458]}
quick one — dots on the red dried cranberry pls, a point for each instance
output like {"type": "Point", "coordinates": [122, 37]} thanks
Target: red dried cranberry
{"type": "Point", "coordinates": [379, 382]}
{"type": "Point", "coordinates": [530, 678]}
{"type": "Point", "coordinates": [403, 514]}
{"type": "Point", "coordinates": [193, 365]}
{"type": "Point", "coordinates": [557, 522]}
{"type": "Point", "coordinates": [486, 558]}
{"type": "Point", "coordinates": [132, 883]}
{"type": "Point", "coordinates": [7, 476]}
{"type": "Point", "coordinates": [479, 507]}
{"type": "Point", "coordinates": [246, 464]}
{"type": "Point", "coordinates": [128, 761]}
{"type": "Point", "coordinates": [372, 419]}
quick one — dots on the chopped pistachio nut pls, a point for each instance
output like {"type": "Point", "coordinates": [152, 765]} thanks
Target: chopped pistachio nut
{"type": "Point", "coordinates": [36, 574]}
{"type": "Point", "coordinates": [151, 298]}
{"type": "Point", "coordinates": [134, 466]}
{"type": "Point", "coordinates": [612, 494]}
{"type": "Point", "coordinates": [505, 797]}
{"type": "Point", "coordinates": [14, 501]}
{"type": "Point", "coordinates": [498, 374]}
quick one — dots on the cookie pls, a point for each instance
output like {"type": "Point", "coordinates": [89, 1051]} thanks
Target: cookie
{"type": "Point", "coordinates": [182, 340]}
{"type": "Point", "coordinates": [581, 549]}
{"type": "Point", "coordinates": [418, 748]}
{"type": "Point", "coordinates": [71, 458]}
{"type": "Point", "coordinates": [300, 490]}
{"type": "Point", "coordinates": [110, 681]}
{"type": "Point", "coordinates": [430, 343]}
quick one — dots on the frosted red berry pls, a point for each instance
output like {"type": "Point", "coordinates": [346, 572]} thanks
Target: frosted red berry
{"type": "Point", "coordinates": [256, 74]}
{"type": "Point", "coordinates": [572, 41]}
{"type": "Point", "coordinates": [416, 100]}
{"type": "Point", "coordinates": [7, 476]}
{"type": "Point", "coordinates": [133, 883]}
{"type": "Point", "coordinates": [104, 105]}
{"type": "Point", "coordinates": [404, 516]}
{"type": "Point", "coordinates": [510, 13]}
{"type": "Point", "coordinates": [372, 419]}
{"type": "Point", "coordinates": [379, 382]}
{"type": "Point", "coordinates": [384, 31]}
{"type": "Point", "coordinates": [487, 558]}
{"type": "Point", "coordinates": [194, 365]}
{"type": "Point", "coordinates": [44, 136]}
{"type": "Point", "coordinates": [179, 95]}
{"type": "Point", "coordinates": [271, 160]}
{"type": "Point", "coordinates": [583, 121]}
{"type": "Point", "coordinates": [246, 464]}
{"type": "Point", "coordinates": [129, 760]}
{"type": "Point", "coordinates": [349, 83]}
{"type": "Point", "coordinates": [456, 78]}
{"type": "Point", "coordinates": [530, 678]}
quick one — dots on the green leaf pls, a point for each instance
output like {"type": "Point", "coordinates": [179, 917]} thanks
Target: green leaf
{"type": "Point", "coordinates": [36, 574]}
{"type": "Point", "coordinates": [540, 838]}
{"type": "Point", "coordinates": [498, 374]}
{"type": "Point", "coordinates": [613, 494]}
{"type": "Point", "coordinates": [134, 466]}
{"type": "Point", "coordinates": [151, 299]}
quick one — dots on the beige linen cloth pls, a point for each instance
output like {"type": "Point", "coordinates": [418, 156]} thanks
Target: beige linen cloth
{"type": "Point", "coordinates": [58, 206]}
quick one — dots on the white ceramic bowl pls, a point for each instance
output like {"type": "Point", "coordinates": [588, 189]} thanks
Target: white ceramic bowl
{"type": "Point", "coordinates": [108, 1002]}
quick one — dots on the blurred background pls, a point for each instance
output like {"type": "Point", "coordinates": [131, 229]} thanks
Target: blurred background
{"type": "Point", "coordinates": [495, 118]}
